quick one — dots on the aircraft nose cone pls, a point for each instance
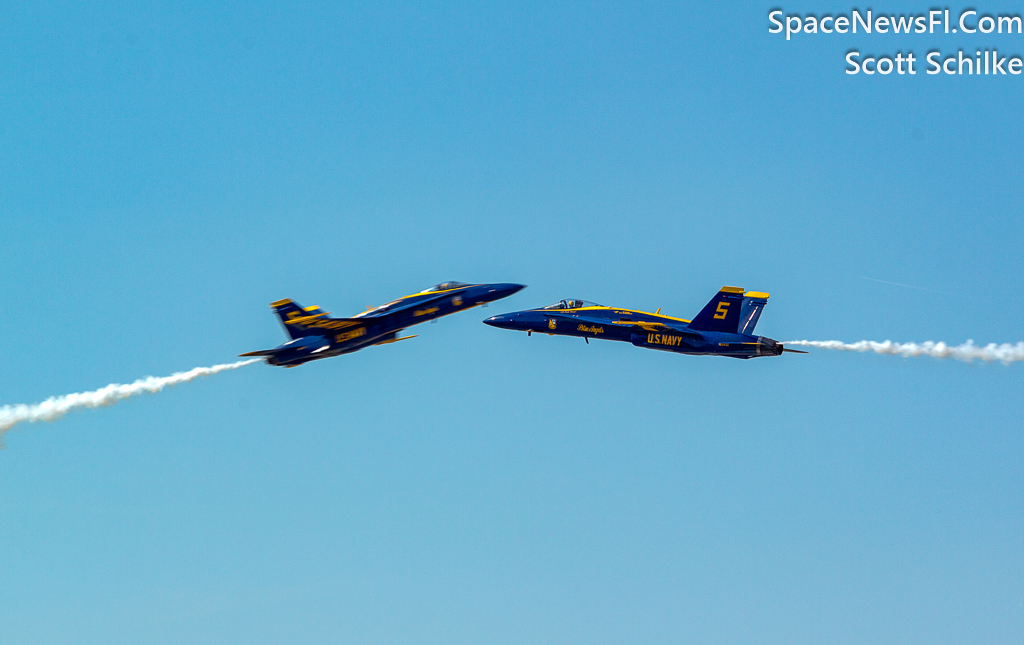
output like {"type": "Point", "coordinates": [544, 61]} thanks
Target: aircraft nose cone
{"type": "Point", "coordinates": [504, 321]}
{"type": "Point", "coordinates": [504, 290]}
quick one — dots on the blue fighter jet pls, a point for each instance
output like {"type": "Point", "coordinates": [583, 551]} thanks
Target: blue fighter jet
{"type": "Point", "coordinates": [724, 327]}
{"type": "Point", "coordinates": [315, 335]}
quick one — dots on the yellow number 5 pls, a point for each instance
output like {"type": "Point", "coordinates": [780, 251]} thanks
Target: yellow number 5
{"type": "Point", "coordinates": [723, 309]}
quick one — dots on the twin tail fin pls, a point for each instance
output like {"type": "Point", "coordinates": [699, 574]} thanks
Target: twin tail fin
{"type": "Point", "coordinates": [732, 310]}
{"type": "Point", "coordinates": [296, 318]}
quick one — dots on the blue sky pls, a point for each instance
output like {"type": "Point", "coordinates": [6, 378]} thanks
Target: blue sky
{"type": "Point", "coordinates": [168, 169]}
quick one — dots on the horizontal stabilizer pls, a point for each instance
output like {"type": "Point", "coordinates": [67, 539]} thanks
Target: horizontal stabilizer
{"type": "Point", "coordinates": [262, 352]}
{"type": "Point", "coordinates": [395, 340]}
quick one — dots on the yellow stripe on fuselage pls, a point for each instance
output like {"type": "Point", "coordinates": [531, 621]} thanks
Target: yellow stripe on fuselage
{"type": "Point", "coordinates": [430, 293]}
{"type": "Point", "coordinates": [423, 293]}
{"type": "Point", "coordinates": [628, 311]}
{"type": "Point", "coordinates": [413, 295]}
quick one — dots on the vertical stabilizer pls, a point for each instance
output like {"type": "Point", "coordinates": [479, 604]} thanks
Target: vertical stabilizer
{"type": "Point", "coordinates": [750, 310]}
{"type": "Point", "coordinates": [292, 315]}
{"type": "Point", "coordinates": [722, 313]}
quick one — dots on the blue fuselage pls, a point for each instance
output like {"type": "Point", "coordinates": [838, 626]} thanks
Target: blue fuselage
{"type": "Point", "coordinates": [316, 336]}
{"type": "Point", "coordinates": [652, 331]}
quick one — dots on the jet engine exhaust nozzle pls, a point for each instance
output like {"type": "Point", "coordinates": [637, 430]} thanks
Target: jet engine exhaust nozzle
{"type": "Point", "coordinates": [768, 347]}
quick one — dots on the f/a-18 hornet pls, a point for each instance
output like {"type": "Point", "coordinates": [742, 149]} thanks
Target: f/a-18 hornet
{"type": "Point", "coordinates": [315, 335]}
{"type": "Point", "coordinates": [724, 327]}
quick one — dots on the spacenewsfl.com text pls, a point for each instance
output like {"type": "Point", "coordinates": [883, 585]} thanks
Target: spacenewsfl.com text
{"type": "Point", "coordinates": [986, 61]}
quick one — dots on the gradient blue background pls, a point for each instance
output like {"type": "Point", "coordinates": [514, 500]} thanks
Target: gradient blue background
{"type": "Point", "coordinates": [168, 169]}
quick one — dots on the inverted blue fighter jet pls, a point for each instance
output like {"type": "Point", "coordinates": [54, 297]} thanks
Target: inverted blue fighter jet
{"type": "Point", "coordinates": [724, 327]}
{"type": "Point", "coordinates": [315, 335]}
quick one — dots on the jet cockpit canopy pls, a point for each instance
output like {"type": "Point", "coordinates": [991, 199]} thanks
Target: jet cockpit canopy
{"type": "Point", "coordinates": [445, 286]}
{"type": "Point", "coordinates": [571, 304]}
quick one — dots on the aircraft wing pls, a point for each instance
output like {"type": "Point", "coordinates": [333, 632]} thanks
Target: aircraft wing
{"type": "Point", "coordinates": [641, 326]}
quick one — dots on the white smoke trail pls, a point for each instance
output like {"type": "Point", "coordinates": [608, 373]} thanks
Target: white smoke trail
{"type": "Point", "coordinates": [1004, 353]}
{"type": "Point", "coordinates": [57, 406]}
